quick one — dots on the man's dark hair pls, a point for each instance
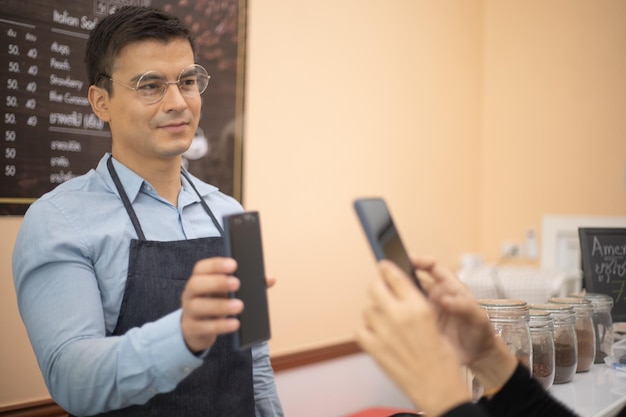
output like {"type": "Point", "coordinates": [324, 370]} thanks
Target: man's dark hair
{"type": "Point", "coordinates": [127, 25]}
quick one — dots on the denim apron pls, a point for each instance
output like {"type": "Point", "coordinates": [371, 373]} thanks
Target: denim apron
{"type": "Point", "coordinates": [157, 272]}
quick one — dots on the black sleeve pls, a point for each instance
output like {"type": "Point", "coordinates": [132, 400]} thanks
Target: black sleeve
{"type": "Point", "coordinates": [467, 410]}
{"type": "Point", "coordinates": [523, 396]}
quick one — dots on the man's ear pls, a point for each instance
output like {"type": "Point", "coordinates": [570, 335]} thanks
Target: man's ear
{"type": "Point", "coordinates": [99, 99]}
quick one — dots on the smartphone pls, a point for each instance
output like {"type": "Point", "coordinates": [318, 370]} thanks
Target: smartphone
{"type": "Point", "coordinates": [242, 241]}
{"type": "Point", "coordinates": [382, 234]}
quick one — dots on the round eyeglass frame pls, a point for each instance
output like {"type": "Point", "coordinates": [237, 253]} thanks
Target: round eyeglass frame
{"type": "Point", "coordinates": [193, 69]}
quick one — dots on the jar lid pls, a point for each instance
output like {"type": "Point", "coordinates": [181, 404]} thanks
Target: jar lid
{"type": "Point", "coordinates": [534, 312]}
{"type": "Point", "coordinates": [559, 312]}
{"type": "Point", "coordinates": [540, 319]}
{"type": "Point", "coordinates": [505, 309]}
{"type": "Point", "coordinates": [580, 305]}
{"type": "Point", "coordinates": [569, 300]}
{"type": "Point", "coordinates": [552, 307]}
{"type": "Point", "coordinates": [502, 302]}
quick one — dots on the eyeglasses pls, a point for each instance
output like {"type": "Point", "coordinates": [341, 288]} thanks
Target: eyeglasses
{"type": "Point", "coordinates": [151, 86]}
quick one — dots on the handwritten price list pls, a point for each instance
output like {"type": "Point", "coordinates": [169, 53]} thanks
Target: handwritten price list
{"type": "Point", "coordinates": [603, 252]}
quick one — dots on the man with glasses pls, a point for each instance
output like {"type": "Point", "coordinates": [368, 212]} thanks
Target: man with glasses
{"type": "Point", "coordinates": [118, 273]}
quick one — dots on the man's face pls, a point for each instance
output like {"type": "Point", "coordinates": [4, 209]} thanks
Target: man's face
{"type": "Point", "coordinates": [145, 133]}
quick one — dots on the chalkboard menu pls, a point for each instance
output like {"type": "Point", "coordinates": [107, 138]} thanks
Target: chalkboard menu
{"type": "Point", "coordinates": [603, 255]}
{"type": "Point", "coordinates": [50, 134]}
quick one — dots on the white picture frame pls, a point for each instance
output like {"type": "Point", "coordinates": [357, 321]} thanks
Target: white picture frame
{"type": "Point", "coordinates": [560, 246]}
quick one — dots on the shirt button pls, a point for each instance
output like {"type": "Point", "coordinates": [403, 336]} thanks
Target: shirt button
{"type": "Point", "coordinates": [186, 369]}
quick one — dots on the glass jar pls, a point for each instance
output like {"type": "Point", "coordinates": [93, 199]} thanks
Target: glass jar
{"type": "Point", "coordinates": [602, 323]}
{"type": "Point", "coordinates": [565, 342]}
{"type": "Point", "coordinates": [542, 336]}
{"type": "Point", "coordinates": [510, 320]}
{"type": "Point", "coordinates": [585, 333]}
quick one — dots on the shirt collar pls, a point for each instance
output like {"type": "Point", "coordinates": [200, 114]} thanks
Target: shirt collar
{"type": "Point", "coordinates": [130, 181]}
{"type": "Point", "coordinates": [133, 183]}
{"type": "Point", "coordinates": [203, 188]}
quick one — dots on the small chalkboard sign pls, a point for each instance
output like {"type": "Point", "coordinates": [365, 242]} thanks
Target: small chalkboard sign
{"type": "Point", "coordinates": [603, 256]}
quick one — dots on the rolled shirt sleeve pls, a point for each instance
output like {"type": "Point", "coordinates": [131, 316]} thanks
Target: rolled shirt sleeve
{"type": "Point", "coordinates": [267, 403]}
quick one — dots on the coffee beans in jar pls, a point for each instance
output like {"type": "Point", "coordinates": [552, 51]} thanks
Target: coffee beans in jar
{"type": "Point", "coordinates": [542, 336]}
{"type": "Point", "coordinates": [602, 323]}
{"type": "Point", "coordinates": [565, 340]}
{"type": "Point", "coordinates": [585, 333]}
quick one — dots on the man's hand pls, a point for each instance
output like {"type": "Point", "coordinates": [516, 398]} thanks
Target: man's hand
{"type": "Point", "coordinates": [207, 311]}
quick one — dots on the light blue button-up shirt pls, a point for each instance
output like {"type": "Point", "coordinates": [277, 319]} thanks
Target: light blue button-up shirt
{"type": "Point", "coordinates": [70, 264]}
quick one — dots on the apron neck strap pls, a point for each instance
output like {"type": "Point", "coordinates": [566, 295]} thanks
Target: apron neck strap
{"type": "Point", "coordinates": [125, 200]}
{"type": "Point", "coordinates": [204, 204]}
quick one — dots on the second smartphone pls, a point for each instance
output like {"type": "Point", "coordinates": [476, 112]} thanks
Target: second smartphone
{"type": "Point", "coordinates": [382, 234]}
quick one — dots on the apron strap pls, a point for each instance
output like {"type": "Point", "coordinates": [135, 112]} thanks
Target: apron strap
{"type": "Point", "coordinates": [204, 204]}
{"type": "Point", "coordinates": [125, 200]}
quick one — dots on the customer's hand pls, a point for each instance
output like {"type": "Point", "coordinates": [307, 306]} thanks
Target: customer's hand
{"type": "Point", "coordinates": [460, 317]}
{"type": "Point", "coordinates": [466, 325]}
{"type": "Point", "coordinates": [206, 308]}
{"type": "Point", "coordinates": [400, 331]}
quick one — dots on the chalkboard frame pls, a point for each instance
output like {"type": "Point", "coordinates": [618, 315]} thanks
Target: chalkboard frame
{"type": "Point", "coordinates": [592, 284]}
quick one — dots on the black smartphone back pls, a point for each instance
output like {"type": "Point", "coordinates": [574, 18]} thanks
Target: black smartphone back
{"type": "Point", "coordinates": [242, 238]}
{"type": "Point", "coordinates": [382, 234]}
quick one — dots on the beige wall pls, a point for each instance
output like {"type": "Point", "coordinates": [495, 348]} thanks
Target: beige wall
{"type": "Point", "coordinates": [357, 98]}
{"type": "Point", "coordinates": [472, 118]}
{"type": "Point", "coordinates": [554, 118]}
